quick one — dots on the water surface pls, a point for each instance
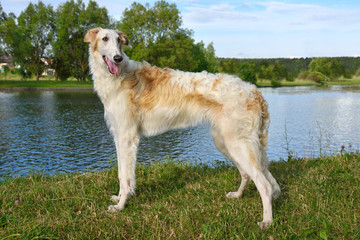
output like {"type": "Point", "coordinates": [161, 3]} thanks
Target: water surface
{"type": "Point", "coordinates": [65, 131]}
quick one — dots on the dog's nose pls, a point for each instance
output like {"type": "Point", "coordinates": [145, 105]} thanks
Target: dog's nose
{"type": "Point", "coordinates": [118, 58]}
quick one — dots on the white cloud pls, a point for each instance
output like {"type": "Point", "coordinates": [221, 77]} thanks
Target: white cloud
{"type": "Point", "coordinates": [221, 12]}
{"type": "Point", "coordinates": [311, 15]}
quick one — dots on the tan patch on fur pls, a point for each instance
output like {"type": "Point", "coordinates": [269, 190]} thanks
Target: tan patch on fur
{"type": "Point", "coordinates": [258, 104]}
{"type": "Point", "coordinates": [94, 45]}
{"type": "Point", "coordinates": [216, 83]}
{"type": "Point", "coordinates": [91, 38]}
{"type": "Point", "coordinates": [202, 101]}
{"type": "Point", "coordinates": [151, 86]}
{"type": "Point", "coordinates": [91, 35]}
{"type": "Point", "coordinates": [253, 160]}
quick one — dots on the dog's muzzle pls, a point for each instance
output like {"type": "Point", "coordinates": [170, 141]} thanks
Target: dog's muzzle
{"type": "Point", "coordinates": [112, 67]}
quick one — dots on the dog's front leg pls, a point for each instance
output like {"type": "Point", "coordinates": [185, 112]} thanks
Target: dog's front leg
{"type": "Point", "coordinates": [126, 142]}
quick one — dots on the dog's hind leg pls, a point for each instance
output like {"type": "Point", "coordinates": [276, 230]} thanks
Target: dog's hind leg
{"type": "Point", "coordinates": [245, 179]}
{"type": "Point", "coordinates": [275, 186]}
{"type": "Point", "coordinates": [245, 153]}
{"type": "Point", "coordinates": [126, 147]}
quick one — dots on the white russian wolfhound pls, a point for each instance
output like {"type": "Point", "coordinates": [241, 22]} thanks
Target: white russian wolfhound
{"type": "Point", "coordinates": [142, 99]}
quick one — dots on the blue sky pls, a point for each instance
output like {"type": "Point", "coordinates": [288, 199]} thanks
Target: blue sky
{"type": "Point", "coordinates": [256, 29]}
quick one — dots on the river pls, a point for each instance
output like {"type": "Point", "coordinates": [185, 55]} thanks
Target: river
{"type": "Point", "coordinates": [64, 131]}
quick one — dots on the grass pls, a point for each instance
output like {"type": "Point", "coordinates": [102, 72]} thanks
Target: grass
{"type": "Point", "coordinates": [297, 82]}
{"type": "Point", "coordinates": [45, 84]}
{"type": "Point", "coordinates": [320, 200]}
{"type": "Point", "coordinates": [14, 81]}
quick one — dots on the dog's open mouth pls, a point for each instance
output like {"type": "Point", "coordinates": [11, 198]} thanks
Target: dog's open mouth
{"type": "Point", "coordinates": [113, 68]}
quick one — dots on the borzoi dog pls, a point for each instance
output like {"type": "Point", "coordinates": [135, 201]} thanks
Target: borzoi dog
{"type": "Point", "coordinates": [140, 99]}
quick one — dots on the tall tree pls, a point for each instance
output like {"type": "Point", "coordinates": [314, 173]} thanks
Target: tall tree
{"type": "Point", "coordinates": [157, 36]}
{"type": "Point", "coordinates": [73, 21]}
{"type": "Point", "coordinates": [3, 18]}
{"type": "Point", "coordinates": [213, 62]}
{"type": "Point", "coordinates": [28, 41]}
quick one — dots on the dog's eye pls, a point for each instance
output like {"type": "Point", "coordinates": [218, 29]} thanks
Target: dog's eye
{"type": "Point", "coordinates": [119, 40]}
{"type": "Point", "coordinates": [105, 39]}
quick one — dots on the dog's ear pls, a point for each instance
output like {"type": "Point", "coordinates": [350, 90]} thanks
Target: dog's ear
{"type": "Point", "coordinates": [91, 34]}
{"type": "Point", "coordinates": [123, 37]}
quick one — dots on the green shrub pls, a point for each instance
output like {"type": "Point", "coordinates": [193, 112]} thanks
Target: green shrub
{"type": "Point", "coordinates": [275, 83]}
{"type": "Point", "coordinates": [357, 73]}
{"type": "Point", "coordinates": [317, 77]}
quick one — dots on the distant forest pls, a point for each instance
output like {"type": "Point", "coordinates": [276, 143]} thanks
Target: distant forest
{"type": "Point", "coordinates": [296, 65]}
{"type": "Point", "coordinates": [319, 69]}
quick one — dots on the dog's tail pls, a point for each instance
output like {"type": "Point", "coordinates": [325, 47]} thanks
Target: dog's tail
{"type": "Point", "coordinates": [260, 109]}
{"type": "Point", "coordinates": [265, 121]}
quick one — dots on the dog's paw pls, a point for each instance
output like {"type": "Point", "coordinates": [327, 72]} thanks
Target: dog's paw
{"type": "Point", "coordinates": [114, 208]}
{"type": "Point", "coordinates": [264, 224]}
{"type": "Point", "coordinates": [276, 193]}
{"type": "Point", "coordinates": [234, 195]}
{"type": "Point", "coordinates": [115, 198]}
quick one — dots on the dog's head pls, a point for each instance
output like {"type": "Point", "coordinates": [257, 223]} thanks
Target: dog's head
{"type": "Point", "coordinates": [107, 44]}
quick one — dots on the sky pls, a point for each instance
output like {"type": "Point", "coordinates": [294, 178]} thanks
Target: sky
{"type": "Point", "coordinates": [260, 28]}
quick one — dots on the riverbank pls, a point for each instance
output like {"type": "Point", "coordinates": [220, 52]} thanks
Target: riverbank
{"type": "Point", "coordinates": [267, 83]}
{"type": "Point", "coordinates": [17, 85]}
{"type": "Point", "coordinates": [180, 201]}
{"type": "Point", "coordinates": [45, 85]}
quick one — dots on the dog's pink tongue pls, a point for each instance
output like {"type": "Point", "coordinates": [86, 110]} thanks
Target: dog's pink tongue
{"type": "Point", "coordinates": [112, 66]}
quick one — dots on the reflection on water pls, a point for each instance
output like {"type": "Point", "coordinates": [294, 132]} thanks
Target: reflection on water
{"type": "Point", "coordinates": [65, 131]}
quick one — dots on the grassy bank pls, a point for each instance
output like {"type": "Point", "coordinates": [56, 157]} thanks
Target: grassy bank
{"type": "Point", "coordinates": [297, 82]}
{"type": "Point", "coordinates": [44, 84]}
{"type": "Point", "coordinates": [320, 200]}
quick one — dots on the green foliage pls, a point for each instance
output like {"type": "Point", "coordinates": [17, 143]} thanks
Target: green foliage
{"type": "Point", "coordinates": [3, 18]}
{"type": "Point", "coordinates": [291, 65]}
{"type": "Point", "coordinates": [247, 72]}
{"type": "Point", "coordinates": [274, 72]}
{"type": "Point", "coordinates": [28, 37]}
{"type": "Point", "coordinates": [24, 73]}
{"type": "Point", "coordinates": [328, 67]}
{"type": "Point", "coordinates": [279, 72]}
{"type": "Point", "coordinates": [156, 35]}
{"type": "Point", "coordinates": [6, 69]}
{"type": "Point", "coordinates": [317, 77]}
{"type": "Point", "coordinates": [229, 66]}
{"type": "Point", "coordinates": [275, 83]}
{"type": "Point", "coordinates": [357, 73]}
{"type": "Point", "coordinates": [73, 20]}
{"type": "Point", "coordinates": [266, 72]}
{"type": "Point", "coordinates": [277, 69]}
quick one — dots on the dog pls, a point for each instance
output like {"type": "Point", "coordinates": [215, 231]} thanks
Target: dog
{"type": "Point", "coordinates": [141, 99]}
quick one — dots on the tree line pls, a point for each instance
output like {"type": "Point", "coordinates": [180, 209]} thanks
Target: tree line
{"type": "Point", "coordinates": [156, 35]}
{"type": "Point", "coordinates": [319, 69]}
{"type": "Point", "coordinates": [155, 32]}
